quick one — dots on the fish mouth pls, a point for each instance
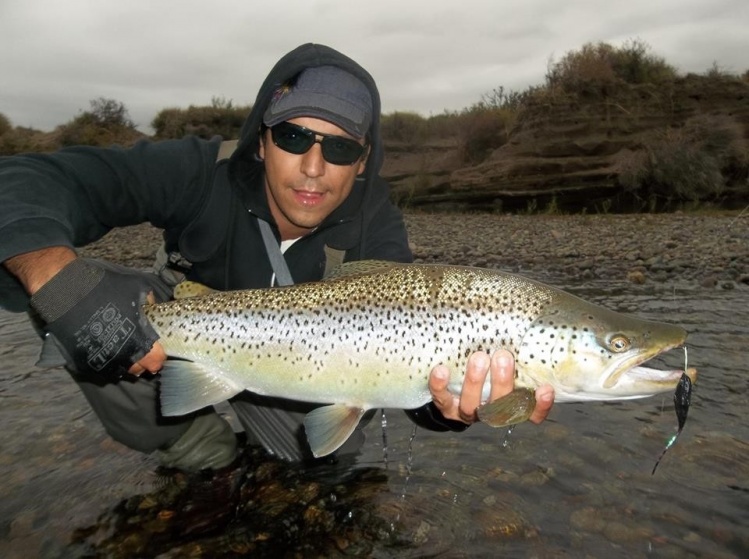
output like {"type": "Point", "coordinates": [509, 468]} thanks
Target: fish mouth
{"type": "Point", "coordinates": [648, 374]}
{"type": "Point", "coordinates": [643, 380]}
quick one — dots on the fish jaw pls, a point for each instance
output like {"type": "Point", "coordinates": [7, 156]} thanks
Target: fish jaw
{"type": "Point", "coordinates": [644, 381]}
{"type": "Point", "coordinates": [589, 353]}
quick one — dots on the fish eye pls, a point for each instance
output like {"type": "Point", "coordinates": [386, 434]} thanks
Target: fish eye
{"type": "Point", "coordinates": [619, 343]}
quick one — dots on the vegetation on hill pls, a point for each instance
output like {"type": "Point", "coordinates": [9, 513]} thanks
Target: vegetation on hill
{"type": "Point", "coordinates": [697, 159]}
{"type": "Point", "coordinates": [220, 118]}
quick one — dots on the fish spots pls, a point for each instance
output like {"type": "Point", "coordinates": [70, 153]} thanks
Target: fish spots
{"type": "Point", "coordinates": [389, 326]}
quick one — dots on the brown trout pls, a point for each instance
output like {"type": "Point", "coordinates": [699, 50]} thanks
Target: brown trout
{"type": "Point", "coordinates": [368, 336]}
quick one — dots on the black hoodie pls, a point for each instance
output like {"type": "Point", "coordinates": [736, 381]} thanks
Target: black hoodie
{"type": "Point", "coordinates": [365, 226]}
{"type": "Point", "coordinates": [208, 210]}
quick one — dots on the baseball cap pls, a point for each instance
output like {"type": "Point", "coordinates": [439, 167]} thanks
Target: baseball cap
{"type": "Point", "coordinates": [326, 92]}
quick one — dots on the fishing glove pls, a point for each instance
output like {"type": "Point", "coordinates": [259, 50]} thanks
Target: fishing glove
{"type": "Point", "coordinates": [93, 310]}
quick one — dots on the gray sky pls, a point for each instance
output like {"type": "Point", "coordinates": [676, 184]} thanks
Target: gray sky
{"type": "Point", "coordinates": [426, 55]}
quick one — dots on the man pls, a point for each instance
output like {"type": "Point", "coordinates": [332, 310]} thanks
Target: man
{"type": "Point", "coordinates": [300, 192]}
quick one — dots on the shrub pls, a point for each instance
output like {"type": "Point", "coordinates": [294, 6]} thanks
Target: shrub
{"type": "Point", "coordinates": [25, 140]}
{"type": "Point", "coordinates": [5, 125]}
{"type": "Point", "coordinates": [221, 118]}
{"type": "Point", "coordinates": [673, 170]}
{"type": "Point", "coordinates": [109, 113]}
{"type": "Point", "coordinates": [482, 130]}
{"type": "Point", "coordinates": [510, 100]}
{"type": "Point", "coordinates": [692, 163]}
{"type": "Point", "coordinates": [445, 125]}
{"type": "Point", "coordinates": [634, 63]}
{"type": "Point", "coordinates": [107, 122]}
{"type": "Point", "coordinates": [407, 127]}
{"type": "Point", "coordinates": [595, 68]}
{"type": "Point", "coordinates": [579, 71]}
{"type": "Point", "coordinates": [718, 72]}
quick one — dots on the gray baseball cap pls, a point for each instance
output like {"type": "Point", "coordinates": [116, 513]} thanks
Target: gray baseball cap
{"type": "Point", "coordinates": [325, 92]}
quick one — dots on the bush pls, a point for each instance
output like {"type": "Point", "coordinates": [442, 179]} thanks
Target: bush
{"type": "Point", "coordinates": [407, 127]}
{"type": "Point", "coordinates": [595, 68]}
{"type": "Point", "coordinates": [109, 113]}
{"type": "Point", "coordinates": [221, 118]}
{"type": "Point", "coordinates": [635, 64]}
{"type": "Point", "coordinates": [445, 125]}
{"type": "Point", "coordinates": [577, 71]}
{"type": "Point", "coordinates": [5, 125]}
{"type": "Point", "coordinates": [482, 130]}
{"type": "Point", "coordinates": [510, 100]}
{"type": "Point", "coordinates": [11, 142]}
{"type": "Point", "coordinates": [672, 170]}
{"type": "Point", "coordinates": [107, 122]}
{"type": "Point", "coordinates": [25, 140]}
{"type": "Point", "coordinates": [692, 163]}
{"type": "Point", "coordinates": [718, 72]}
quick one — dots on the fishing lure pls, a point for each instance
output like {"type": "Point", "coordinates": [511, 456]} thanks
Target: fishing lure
{"type": "Point", "coordinates": [682, 401]}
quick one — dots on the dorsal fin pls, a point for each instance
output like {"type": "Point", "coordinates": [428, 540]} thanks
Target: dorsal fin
{"type": "Point", "coordinates": [187, 288]}
{"type": "Point", "coordinates": [361, 268]}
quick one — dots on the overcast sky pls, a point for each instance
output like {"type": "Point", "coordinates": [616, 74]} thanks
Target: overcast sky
{"type": "Point", "coordinates": [426, 55]}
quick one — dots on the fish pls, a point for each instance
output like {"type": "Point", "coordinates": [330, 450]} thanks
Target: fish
{"type": "Point", "coordinates": [368, 335]}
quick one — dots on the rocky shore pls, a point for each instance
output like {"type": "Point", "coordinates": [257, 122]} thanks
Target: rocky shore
{"type": "Point", "coordinates": [708, 250]}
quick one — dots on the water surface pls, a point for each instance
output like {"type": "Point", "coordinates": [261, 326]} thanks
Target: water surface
{"type": "Point", "coordinates": [580, 484]}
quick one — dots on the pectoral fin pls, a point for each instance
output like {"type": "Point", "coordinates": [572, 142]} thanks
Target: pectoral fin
{"type": "Point", "coordinates": [514, 408]}
{"type": "Point", "coordinates": [187, 387]}
{"type": "Point", "coordinates": [328, 427]}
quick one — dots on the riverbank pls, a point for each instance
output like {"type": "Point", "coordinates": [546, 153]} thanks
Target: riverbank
{"type": "Point", "coordinates": [709, 250]}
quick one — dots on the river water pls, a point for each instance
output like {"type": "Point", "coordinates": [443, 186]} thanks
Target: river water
{"type": "Point", "coordinates": [579, 485]}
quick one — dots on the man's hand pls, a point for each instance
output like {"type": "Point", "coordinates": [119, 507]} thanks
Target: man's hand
{"type": "Point", "coordinates": [154, 360]}
{"type": "Point", "coordinates": [501, 366]}
{"type": "Point", "coordinates": [92, 309]}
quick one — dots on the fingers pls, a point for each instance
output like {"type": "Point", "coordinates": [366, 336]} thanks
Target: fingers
{"type": "Point", "coordinates": [446, 402]}
{"type": "Point", "coordinates": [152, 362]}
{"type": "Point", "coordinates": [501, 367]}
{"type": "Point", "coordinates": [154, 359]}
{"type": "Point", "coordinates": [544, 401]}
{"type": "Point", "coordinates": [463, 407]}
{"type": "Point", "coordinates": [503, 382]}
{"type": "Point", "coordinates": [503, 374]}
{"type": "Point", "coordinates": [473, 386]}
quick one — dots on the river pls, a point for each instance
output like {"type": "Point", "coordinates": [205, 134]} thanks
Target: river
{"type": "Point", "coordinates": [579, 485]}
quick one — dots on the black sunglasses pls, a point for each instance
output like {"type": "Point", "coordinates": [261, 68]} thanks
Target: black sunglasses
{"type": "Point", "coordinates": [298, 140]}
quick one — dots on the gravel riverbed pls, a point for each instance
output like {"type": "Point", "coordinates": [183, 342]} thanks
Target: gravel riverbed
{"type": "Point", "coordinates": [707, 250]}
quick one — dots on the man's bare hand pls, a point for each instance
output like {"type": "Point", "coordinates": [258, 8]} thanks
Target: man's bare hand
{"type": "Point", "coordinates": [501, 367]}
{"type": "Point", "coordinates": [154, 360]}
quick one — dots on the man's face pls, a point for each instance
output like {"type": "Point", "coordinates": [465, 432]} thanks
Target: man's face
{"type": "Point", "coordinates": [304, 189]}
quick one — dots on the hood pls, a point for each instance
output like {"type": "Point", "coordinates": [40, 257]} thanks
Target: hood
{"type": "Point", "coordinates": [243, 166]}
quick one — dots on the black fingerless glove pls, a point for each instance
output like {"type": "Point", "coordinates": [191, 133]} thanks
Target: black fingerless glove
{"type": "Point", "coordinates": [94, 314]}
{"type": "Point", "coordinates": [429, 417]}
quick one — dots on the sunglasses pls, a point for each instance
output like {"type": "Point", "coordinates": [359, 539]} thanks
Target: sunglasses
{"type": "Point", "coordinates": [298, 140]}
